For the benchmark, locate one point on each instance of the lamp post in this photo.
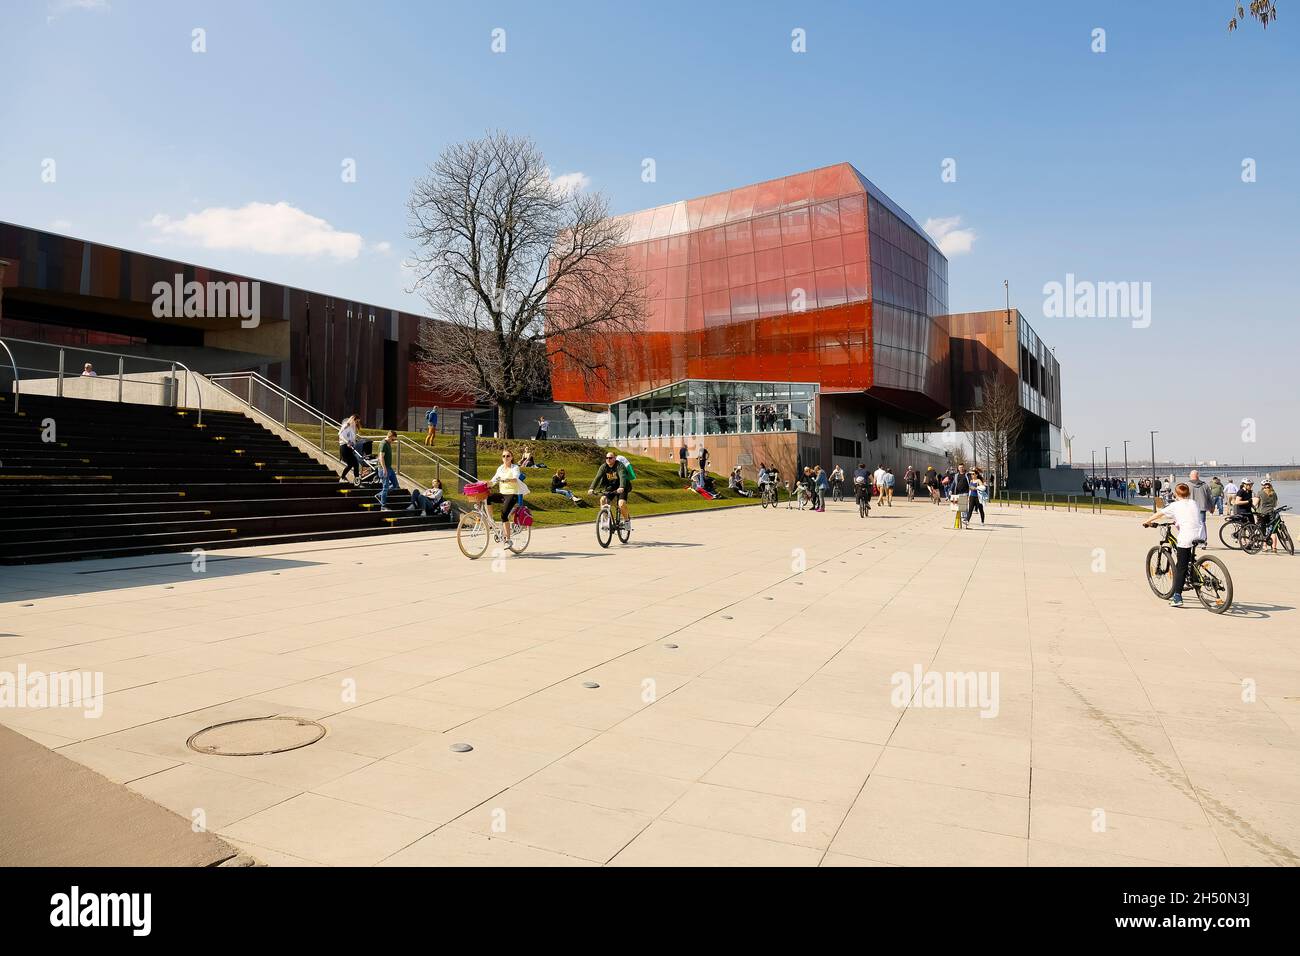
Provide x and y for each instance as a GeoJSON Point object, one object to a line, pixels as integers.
{"type": "Point", "coordinates": [1092, 474]}
{"type": "Point", "coordinates": [1106, 459]}
{"type": "Point", "coordinates": [1153, 471]}
{"type": "Point", "coordinates": [974, 450]}
{"type": "Point", "coordinates": [1125, 467]}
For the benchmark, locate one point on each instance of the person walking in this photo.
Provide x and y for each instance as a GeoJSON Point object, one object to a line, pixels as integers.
{"type": "Point", "coordinates": [959, 489]}
{"type": "Point", "coordinates": [386, 469]}
{"type": "Point", "coordinates": [1201, 496]}
{"type": "Point", "coordinates": [683, 455]}
{"type": "Point", "coordinates": [431, 425]}
{"type": "Point", "coordinates": [978, 492]}
{"type": "Point", "coordinates": [823, 487]}
{"type": "Point", "coordinates": [889, 486]}
{"type": "Point", "coordinates": [347, 450]}
{"type": "Point", "coordinates": [1216, 495]}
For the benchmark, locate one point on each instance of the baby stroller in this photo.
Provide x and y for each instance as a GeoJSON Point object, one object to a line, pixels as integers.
{"type": "Point", "coordinates": [368, 463]}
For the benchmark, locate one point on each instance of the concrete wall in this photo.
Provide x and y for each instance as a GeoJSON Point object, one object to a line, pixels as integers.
{"type": "Point", "coordinates": [567, 421]}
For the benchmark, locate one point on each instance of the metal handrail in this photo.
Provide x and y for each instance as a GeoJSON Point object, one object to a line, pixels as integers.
{"type": "Point", "coordinates": [220, 378]}
{"type": "Point", "coordinates": [121, 357]}
{"type": "Point", "coordinates": [14, 363]}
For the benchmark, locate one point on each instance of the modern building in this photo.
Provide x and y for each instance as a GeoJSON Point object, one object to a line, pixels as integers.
{"type": "Point", "coordinates": [805, 320]}
{"type": "Point", "coordinates": [339, 355]}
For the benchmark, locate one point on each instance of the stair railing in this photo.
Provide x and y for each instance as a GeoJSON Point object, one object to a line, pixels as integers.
{"type": "Point", "coordinates": [60, 373]}
{"type": "Point", "coordinates": [274, 401]}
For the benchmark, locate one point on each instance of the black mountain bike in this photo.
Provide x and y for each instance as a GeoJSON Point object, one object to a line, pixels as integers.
{"type": "Point", "coordinates": [1254, 538]}
{"type": "Point", "coordinates": [1206, 574]}
{"type": "Point", "coordinates": [864, 501]}
{"type": "Point", "coordinates": [1230, 530]}
{"type": "Point", "coordinates": [610, 521]}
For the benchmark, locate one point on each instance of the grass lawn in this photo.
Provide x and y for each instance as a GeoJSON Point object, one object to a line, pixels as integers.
{"type": "Point", "coordinates": [656, 490]}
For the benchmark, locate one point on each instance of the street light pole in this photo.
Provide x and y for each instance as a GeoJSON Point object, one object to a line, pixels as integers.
{"type": "Point", "coordinates": [974, 449]}
{"type": "Point", "coordinates": [1107, 461]}
{"type": "Point", "coordinates": [1125, 467]}
{"type": "Point", "coordinates": [1092, 474]}
{"type": "Point", "coordinates": [1153, 471]}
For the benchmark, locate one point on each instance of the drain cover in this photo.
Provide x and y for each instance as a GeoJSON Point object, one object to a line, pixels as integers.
{"type": "Point", "coordinates": [256, 736]}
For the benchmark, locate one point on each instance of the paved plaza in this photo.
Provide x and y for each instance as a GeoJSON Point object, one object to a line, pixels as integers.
{"type": "Point", "coordinates": [749, 666]}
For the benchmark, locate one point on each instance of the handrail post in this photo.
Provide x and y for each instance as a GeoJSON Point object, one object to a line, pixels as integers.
{"type": "Point", "coordinates": [121, 371]}
{"type": "Point", "coordinates": [173, 373]}
{"type": "Point", "coordinates": [59, 390]}
{"type": "Point", "coordinates": [322, 433]}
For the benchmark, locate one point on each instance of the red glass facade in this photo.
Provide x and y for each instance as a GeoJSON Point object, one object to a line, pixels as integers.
{"type": "Point", "coordinates": [813, 277]}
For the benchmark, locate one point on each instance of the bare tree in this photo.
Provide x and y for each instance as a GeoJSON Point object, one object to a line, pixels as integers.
{"type": "Point", "coordinates": [1265, 11]}
{"type": "Point", "coordinates": [519, 269]}
{"type": "Point", "coordinates": [998, 423]}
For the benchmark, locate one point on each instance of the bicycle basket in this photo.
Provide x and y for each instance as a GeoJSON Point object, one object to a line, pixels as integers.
{"type": "Point", "coordinates": [478, 491]}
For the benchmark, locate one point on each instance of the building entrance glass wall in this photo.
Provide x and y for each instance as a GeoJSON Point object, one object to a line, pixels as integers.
{"type": "Point", "coordinates": [716, 408]}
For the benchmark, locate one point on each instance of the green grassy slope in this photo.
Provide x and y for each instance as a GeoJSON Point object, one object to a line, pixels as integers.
{"type": "Point", "coordinates": [657, 488]}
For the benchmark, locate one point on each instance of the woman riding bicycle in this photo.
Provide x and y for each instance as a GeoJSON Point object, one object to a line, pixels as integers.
{"type": "Point", "coordinates": [509, 485]}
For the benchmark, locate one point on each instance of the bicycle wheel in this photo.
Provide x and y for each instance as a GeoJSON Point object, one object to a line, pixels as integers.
{"type": "Point", "coordinates": [625, 529]}
{"type": "Point", "coordinates": [764, 500]}
{"type": "Point", "coordinates": [1252, 538]}
{"type": "Point", "coordinates": [1228, 532]}
{"type": "Point", "coordinates": [1213, 584]}
{"type": "Point", "coordinates": [1160, 571]}
{"type": "Point", "coordinates": [520, 535]}
{"type": "Point", "coordinates": [1284, 538]}
{"type": "Point", "coordinates": [472, 534]}
{"type": "Point", "coordinates": [604, 529]}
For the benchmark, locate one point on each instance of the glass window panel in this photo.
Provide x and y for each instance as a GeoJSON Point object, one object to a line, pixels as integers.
{"type": "Point", "coordinates": [797, 258]}
{"type": "Point", "coordinates": [742, 203]}
{"type": "Point", "coordinates": [715, 209]}
{"type": "Point", "coordinates": [744, 302]}
{"type": "Point", "coordinates": [827, 253]}
{"type": "Point", "coordinates": [796, 226]}
{"type": "Point", "coordinates": [739, 238]}
{"type": "Point", "coordinates": [767, 232]}
{"type": "Point", "coordinates": [768, 264]}
{"type": "Point", "coordinates": [740, 271]}
{"type": "Point", "coordinates": [713, 244]}
{"type": "Point", "coordinates": [826, 220]}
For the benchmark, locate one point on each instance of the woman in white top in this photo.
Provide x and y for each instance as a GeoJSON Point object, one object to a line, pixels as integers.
{"type": "Point", "coordinates": [507, 481]}
{"type": "Point", "coordinates": [347, 454]}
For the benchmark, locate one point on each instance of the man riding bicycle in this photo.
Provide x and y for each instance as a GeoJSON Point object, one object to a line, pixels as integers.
{"type": "Point", "coordinates": [613, 480]}
{"type": "Point", "coordinates": [862, 484]}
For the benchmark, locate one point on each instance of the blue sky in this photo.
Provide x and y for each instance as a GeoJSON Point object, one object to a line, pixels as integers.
{"type": "Point", "coordinates": [1115, 167]}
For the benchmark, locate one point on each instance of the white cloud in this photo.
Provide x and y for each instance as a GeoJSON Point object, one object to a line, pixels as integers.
{"type": "Point", "coordinates": [276, 229]}
{"type": "Point", "coordinates": [61, 226]}
{"type": "Point", "coordinates": [951, 240]}
{"type": "Point", "coordinates": [383, 248]}
{"type": "Point", "coordinates": [570, 183]}
{"type": "Point", "coordinates": [58, 7]}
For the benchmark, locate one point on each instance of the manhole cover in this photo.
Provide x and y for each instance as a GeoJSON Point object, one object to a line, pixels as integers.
{"type": "Point", "coordinates": [256, 736]}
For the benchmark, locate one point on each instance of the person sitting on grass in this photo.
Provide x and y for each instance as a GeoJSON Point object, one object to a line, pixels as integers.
{"type": "Point", "coordinates": [526, 459]}
{"type": "Point", "coordinates": [737, 483]}
{"type": "Point", "coordinates": [560, 486]}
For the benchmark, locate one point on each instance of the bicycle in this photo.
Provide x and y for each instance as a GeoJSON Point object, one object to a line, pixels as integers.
{"type": "Point", "coordinates": [1206, 575]}
{"type": "Point", "coordinates": [768, 495]}
{"type": "Point", "coordinates": [864, 500]}
{"type": "Point", "coordinates": [1231, 528]}
{"type": "Point", "coordinates": [477, 529]}
{"type": "Point", "coordinates": [837, 491]}
{"type": "Point", "coordinates": [1255, 537]}
{"type": "Point", "coordinates": [610, 521]}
